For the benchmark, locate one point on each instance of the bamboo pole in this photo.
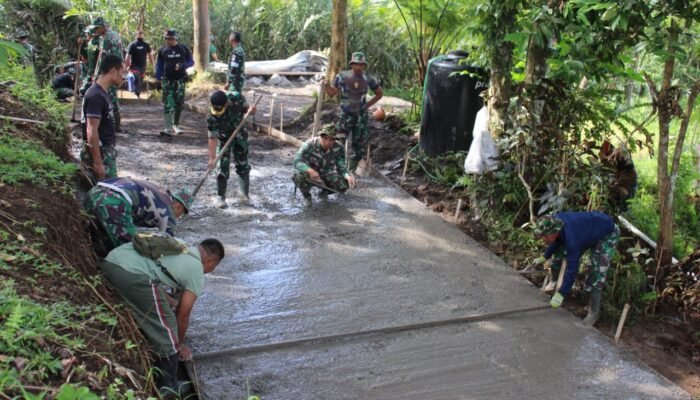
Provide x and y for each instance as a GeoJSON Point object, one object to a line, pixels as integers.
{"type": "Point", "coordinates": [459, 209]}
{"type": "Point", "coordinates": [281, 116]}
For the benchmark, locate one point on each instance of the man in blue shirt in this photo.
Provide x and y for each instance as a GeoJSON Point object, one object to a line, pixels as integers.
{"type": "Point", "coordinates": [570, 234]}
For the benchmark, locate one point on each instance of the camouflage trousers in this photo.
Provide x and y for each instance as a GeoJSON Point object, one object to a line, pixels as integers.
{"type": "Point", "coordinates": [109, 160]}
{"type": "Point", "coordinates": [600, 258]}
{"type": "Point", "coordinates": [87, 82]}
{"type": "Point", "coordinates": [238, 150]}
{"type": "Point", "coordinates": [236, 82]}
{"type": "Point", "coordinates": [173, 95]}
{"type": "Point", "coordinates": [355, 126]}
{"type": "Point", "coordinates": [115, 98]}
{"type": "Point", "coordinates": [331, 179]}
{"type": "Point", "coordinates": [64, 93]}
{"type": "Point", "coordinates": [113, 213]}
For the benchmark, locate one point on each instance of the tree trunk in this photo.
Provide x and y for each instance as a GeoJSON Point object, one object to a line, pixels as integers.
{"type": "Point", "coordinates": [501, 83]}
{"type": "Point", "coordinates": [200, 15]}
{"type": "Point", "coordinates": [665, 181]}
{"type": "Point", "coordinates": [339, 40]}
{"type": "Point", "coordinates": [536, 64]}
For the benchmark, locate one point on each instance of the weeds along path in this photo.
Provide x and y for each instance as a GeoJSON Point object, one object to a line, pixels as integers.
{"type": "Point", "coordinates": [374, 258]}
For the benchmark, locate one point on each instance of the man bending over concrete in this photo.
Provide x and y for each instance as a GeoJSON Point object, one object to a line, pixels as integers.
{"type": "Point", "coordinates": [139, 281]}
{"type": "Point", "coordinates": [570, 234]}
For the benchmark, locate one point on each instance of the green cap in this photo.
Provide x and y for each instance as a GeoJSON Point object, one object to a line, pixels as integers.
{"type": "Point", "coordinates": [358, 57]}
{"type": "Point", "coordinates": [99, 22]}
{"type": "Point", "coordinates": [185, 197]}
{"type": "Point", "coordinates": [328, 130]}
{"type": "Point", "coordinates": [548, 225]}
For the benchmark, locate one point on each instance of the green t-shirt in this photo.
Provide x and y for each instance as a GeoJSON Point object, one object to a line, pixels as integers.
{"type": "Point", "coordinates": [212, 50]}
{"type": "Point", "coordinates": [187, 268]}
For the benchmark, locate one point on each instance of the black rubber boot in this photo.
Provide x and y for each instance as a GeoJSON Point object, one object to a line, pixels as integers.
{"type": "Point", "coordinates": [221, 182]}
{"type": "Point", "coordinates": [176, 119]}
{"type": "Point", "coordinates": [243, 187]}
{"type": "Point", "coordinates": [594, 302]}
{"type": "Point", "coordinates": [165, 376]}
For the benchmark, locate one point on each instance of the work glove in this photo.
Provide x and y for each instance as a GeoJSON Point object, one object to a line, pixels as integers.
{"type": "Point", "coordinates": [556, 301]}
{"type": "Point", "coordinates": [539, 260]}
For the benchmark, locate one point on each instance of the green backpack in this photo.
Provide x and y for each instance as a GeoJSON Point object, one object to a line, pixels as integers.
{"type": "Point", "coordinates": [155, 246]}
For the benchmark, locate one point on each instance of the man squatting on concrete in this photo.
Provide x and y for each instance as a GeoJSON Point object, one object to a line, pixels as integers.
{"type": "Point", "coordinates": [98, 155]}
{"type": "Point", "coordinates": [353, 86]}
{"type": "Point", "coordinates": [139, 281]}
{"type": "Point", "coordinates": [322, 160]}
{"type": "Point", "coordinates": [227, 111]}
{"type": "Point", "coordinates": [570, 234]}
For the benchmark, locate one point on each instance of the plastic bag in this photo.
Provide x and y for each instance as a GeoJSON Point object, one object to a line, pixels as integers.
{"type": "Point", "coordinates": [483, 154]}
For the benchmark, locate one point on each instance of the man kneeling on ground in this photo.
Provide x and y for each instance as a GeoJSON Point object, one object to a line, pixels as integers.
{"type": "Point", "coordinates": [570, 234]}
{"type": "Point", "coordinates": [139, 281]}
{"type": "Point", "coordinates": [321, 161]}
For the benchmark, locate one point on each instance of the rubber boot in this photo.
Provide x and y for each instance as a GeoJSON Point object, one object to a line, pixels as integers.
{"type": "Point", "coordinates": [168, 130]}
{"type": "Point", "coordinates": [243, 187]}
{"type": "Point", "coordinates": [552, 285]}
{"type": "Point", "coordinates": [594, 303]}
{"type": "Point", "coordinates": [117, 122]}
{"type": "Point", "coordinates": [221, 183]}
{"type": "Point", "coordinates": [165, 376]}
{"type": "Point", "coordinates": [176, 123]}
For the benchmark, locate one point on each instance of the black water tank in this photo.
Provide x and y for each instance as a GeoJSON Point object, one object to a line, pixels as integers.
{"type": "Point", "coordinates": [450, 103]}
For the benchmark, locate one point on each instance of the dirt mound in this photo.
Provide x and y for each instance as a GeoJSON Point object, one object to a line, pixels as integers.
{"type": "Point", "coordinates": [48, 263]}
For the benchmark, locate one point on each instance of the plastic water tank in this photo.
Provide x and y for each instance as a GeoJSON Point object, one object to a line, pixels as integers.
{"type": "Point", "coordinates": [450, 103]}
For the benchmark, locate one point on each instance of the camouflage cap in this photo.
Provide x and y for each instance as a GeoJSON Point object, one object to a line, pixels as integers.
{"type": "Point", "coordinates": [185, 197]}
{"type": "Point", "coordinates": [99, 22]}
{"type": "Point", "coordinates": [328, 130]}
{"type": "Point", "coordinates": [21, 33]}
{"type": "Point", "coordinates": [358, 57]}
{"type": "Point", "coordinates": [548, 225]}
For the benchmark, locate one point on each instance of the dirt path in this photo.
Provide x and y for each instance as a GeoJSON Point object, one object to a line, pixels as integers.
{"type": "Point", "coordinates": [374, 258]}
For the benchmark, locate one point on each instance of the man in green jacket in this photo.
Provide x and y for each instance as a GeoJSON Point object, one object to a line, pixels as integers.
{"type": "Point", "coordinates": [139, 281]}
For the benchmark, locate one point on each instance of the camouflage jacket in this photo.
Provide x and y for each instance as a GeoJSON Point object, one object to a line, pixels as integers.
{"type": "Point", "coordinates": [236, 69]}
{"type": "Point", "coordinates": [151, 206]}
{"type": "Point", "coordinates": [112, 44]}
{"type": "Point", "coordinates": [311, 155]}
{"type": "Point", "coordinates": [223, 126]}
{"type": "Point", "coordinates": [353, 90]}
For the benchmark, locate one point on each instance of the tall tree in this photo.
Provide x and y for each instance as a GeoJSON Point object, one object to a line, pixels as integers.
{"type": "Point", "coordinates": [339, 39]}
{"type": "Point", "coordinates": [200, 14]}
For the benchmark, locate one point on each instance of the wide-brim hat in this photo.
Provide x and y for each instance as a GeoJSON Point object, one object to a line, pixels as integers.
{"type": "Point", "coordinates": [358, 57]}
{"type": "Point", "coordinates": [185, 197]}
{"type": "Point", "coordinates": [170, 34]}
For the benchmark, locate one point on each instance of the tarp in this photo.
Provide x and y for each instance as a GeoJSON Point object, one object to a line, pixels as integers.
{"type": "Point", "coordinates": [303, 61]}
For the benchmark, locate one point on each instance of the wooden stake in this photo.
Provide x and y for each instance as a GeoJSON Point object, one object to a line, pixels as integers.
{"type": "Point", "coordinates": [458, 210]}
{"type": "Point", "coordinates": [272, 108]}
{"type": "Point", "coordinates": [621, 324]}
{"type": "Point", "coordinates": [281, 116]}
{"type": "Point", "coordinates": [405, 167]}
{"type": "Point", "coordinates": [560, 279]}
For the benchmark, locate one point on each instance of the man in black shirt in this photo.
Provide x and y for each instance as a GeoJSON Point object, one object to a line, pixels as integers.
{"type": "Point", "coordinates": [63, 84]}
{"type": "Point", "coordinates": [173, 61]}
{"type": "Point", "coordinates": [137, 54]}
{"type": "Point", "coordinates": [98, 156]}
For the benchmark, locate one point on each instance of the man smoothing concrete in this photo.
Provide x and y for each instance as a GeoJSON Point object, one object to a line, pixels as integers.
{"type": "Point", "coordinates": [322, 160]}
{"type": "Point", "coordinates": [139, 281]}
{"type": "Point", "coordinates": [171, 65]}
{"type": "Point", "coordinates": [570, 234]}
{"type": "Point", "coordinates": [353, 86]}
{"type": "Point", "coordinates": [121, 205]}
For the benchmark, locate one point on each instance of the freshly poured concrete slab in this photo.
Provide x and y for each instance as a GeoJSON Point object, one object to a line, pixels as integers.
{"type": "Point", "coordinates": [371, 259]}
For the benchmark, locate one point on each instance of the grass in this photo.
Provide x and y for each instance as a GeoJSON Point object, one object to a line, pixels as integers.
{"type": "Point", "coordinates": [26, 161]}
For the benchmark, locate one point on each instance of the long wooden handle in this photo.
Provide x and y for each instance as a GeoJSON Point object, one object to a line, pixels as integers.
{"type": "Point", "coordinates": [226, 146]}
{"type": "Point", "coordinates": [75, 84]}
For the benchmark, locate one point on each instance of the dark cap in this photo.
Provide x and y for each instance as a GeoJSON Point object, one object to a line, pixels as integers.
{"type": "Point", "coordinates": [99, 22]}
{"type": "Point", "coordinates": [170, 33]}
{"type": "Point", "coordinates": [218, 98]}
{"type": "Point", "coordinates": [235, 35]}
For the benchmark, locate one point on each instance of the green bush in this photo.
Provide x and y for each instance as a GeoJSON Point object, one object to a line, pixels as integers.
{"type": "Point", "coordinates": [26, 161]}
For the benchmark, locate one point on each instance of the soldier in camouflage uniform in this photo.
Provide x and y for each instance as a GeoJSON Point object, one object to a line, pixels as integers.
{"type": "Point", "coordinates": [236, 64]}
{"type": "Point", "coordinates": [22, 37]}
{"type": "Point", "coordinates": [569, 235]}
{"type": "Point", "coordinates": [120, 205]}
{"type": "Point", "coordinates": [227, 111]}
{"type": "Point", "coordinates": [110, 44]}
{"type": "Point", "coordinates": [353, 86]}
{"type": "Point", "coordinates": [171, 69]}
{"type": "Point", "coordinates": [91, 47]}
{"type": "Point", "coordinates": [322, 159]}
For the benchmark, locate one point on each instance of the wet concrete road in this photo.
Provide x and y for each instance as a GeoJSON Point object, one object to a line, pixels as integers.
{"type": "Point", "coordinates": [374, 258]}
